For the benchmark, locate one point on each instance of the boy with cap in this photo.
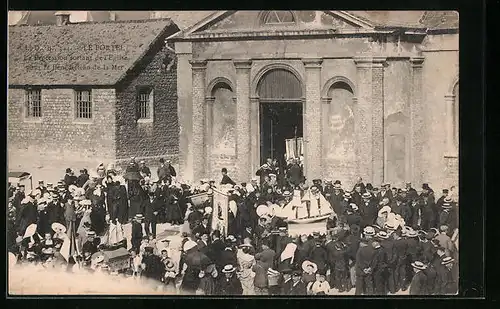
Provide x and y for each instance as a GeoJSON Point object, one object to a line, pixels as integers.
{"type": "Point", "coordinates": [137, 234]}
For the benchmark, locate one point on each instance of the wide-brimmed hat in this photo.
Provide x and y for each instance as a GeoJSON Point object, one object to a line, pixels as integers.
{"type": "Point", "coordinates": [347, 194]}
{"type": "Point", "coordinates": [85, 202]}
{"type": "Point", "coordinates": [306, 264]}
{"type": "Point", "coordinates": [228, 268]}
{"type": "Point", "coordinates": [419, 265]}
{"type": "Point", "coordinates": [286, 193]}
{"type": "Point", "coordinates": [58, 227]}
{"type": "Point", "coordinates": [139, 216]}
{"type": "Point", "coordinates": [369, 231]}
{"type": "Point", "coordinates": [447, 260]}
{"type": "Point", "coordinates": [262, 210]}
{"type": "Point", "coordinates": [231, 238]}
{"type": "Point", "coordinates": [245, 246]}
{"type": "Point", "coordinates": [337, 186]}
{"type": "Point", "coordinates": [90, 233]}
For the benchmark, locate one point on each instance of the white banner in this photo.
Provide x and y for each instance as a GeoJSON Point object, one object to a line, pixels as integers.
{"type": "Point", "coordinates": [220, 211]}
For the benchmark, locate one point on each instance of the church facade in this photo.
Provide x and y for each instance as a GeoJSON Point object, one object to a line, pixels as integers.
{"type": "Point", "coordinates": [368, 97]}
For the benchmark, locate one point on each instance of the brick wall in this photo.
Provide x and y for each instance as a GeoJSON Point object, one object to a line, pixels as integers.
{"type": "Point", "coordinates": [159, 137]}
{"type": "Point", "coordinates": [57, 137]}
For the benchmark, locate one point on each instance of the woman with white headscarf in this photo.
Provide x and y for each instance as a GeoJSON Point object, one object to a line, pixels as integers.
{"type": "Point", "coordinates": [287, 257]}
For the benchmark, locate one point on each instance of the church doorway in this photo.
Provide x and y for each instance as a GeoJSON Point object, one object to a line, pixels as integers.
{"type": "Point", "coordinates": [280, 115]}
{"type": "Point", "coordinates": [280, 124]}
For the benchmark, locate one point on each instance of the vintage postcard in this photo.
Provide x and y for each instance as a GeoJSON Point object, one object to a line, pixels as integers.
{"type": "Point", "coordinates": [255, 153]}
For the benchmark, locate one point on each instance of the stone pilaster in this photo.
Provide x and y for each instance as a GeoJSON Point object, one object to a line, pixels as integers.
{"type": "Point", "coordinates": [417, 133]}
{"type": "Point", "coordinates": [209, 124]}
{"type": "Point", "coordinates": [363, 124]}
{"type": "Point", "coordinates": [243, 110]}
{"type": "Point", "coordinates": [183, 52]}
{"type": "Point", "coordinates": [199, 113]}
{"type": "Point", "coordinates": [312, 136]}
{"type": "Point", "coordinates": [378, 119]}
{"type": "Point", "coordinates": [325, 111]}
{"type": "Point", "coordinates": [450, 145]}
{"type": "Point", "coordinates": [254, 134]}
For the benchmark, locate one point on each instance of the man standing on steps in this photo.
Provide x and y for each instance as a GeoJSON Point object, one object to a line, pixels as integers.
{"type": "Point", "coordinates": [166, 171]}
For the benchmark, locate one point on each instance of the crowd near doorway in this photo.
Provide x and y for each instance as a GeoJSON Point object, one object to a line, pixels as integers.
{"type": "Point", "coordinates": [280, 114]}
{"type": "Point", "coordinates": [279, 122]}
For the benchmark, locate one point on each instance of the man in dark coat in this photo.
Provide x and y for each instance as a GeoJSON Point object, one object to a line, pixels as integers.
{"type": "Point", "coordinates": [379, 267]}
{"type": "Point", "coordinates": [369, 210]}
{"type": "Point", "coordinates": [165, 171]}
{"type": "Point", "coordinates": [336, 199]}
{"type": "Point", "coordinates": [18, 197]}
{"type": "Point", "coordinates": [385, 192]}
{"type": "Point", "coordinates": [154, 267]}
{"type": "Point", "coordinates": [319, 256]}
{"type": "Point", "coordinates": [449, 277]}
{"type": "Point", "coordinates": [215, 249]}
{"type": "Point", "coordinates": [428, 208]}
{"type": "Point", "coordinates": [82, 178]}
{"type": "Point", "coordinates": [298, 287]}
{"type": "Point", "coordinates": [438, 266]}
{"type": "Point", "coordinates": [361, 185]}
{"type": "Point", "coordinates": [357, 195]}
{"type": "Point", "coordinates": [339, 274]}
{"type": "Point", "coordinates": [418, 284]}
{"type": "Point", "coordinates": [28, 215]}
{"type": "Point", "coordinates": [364, 271]}
{"type": "Point", "coordinates": [144, 171]}
{"type": "Point", "coordinates": [42, 187]}
{"type": "Point", "coordinates": [225, 178]}
{"type": "Point", "coordinates": [228, 283]}
{"type": "Point", "coordinates": [400, 250]}
{"type": "Point", "coordinates": [69, 178]}
{"type": "Point", "coordinates": [392, 260]}
{"type": "Point", "coordinates": [122, 204]}
{"type": "Point", "coordinates": [411, 192]}
{"type": "Point", "coordinates": [137, 232]}
{"type": "Point", "coordinates": [294, 173]}
{"type": "Point", "coordinates": [440, 201]}
{"type": "Point", "coordinates": [152, 206]}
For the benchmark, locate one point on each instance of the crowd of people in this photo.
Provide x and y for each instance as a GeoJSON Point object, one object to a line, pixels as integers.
{"type": "Point", "coordinates": [378, 241]}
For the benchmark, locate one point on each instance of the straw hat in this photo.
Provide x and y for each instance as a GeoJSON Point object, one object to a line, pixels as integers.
{"type": "Point", "coordinates": [447, 260]}
{"type": "Point", "coordinates": [419, 265]}
{"type": "Point", "coordinates": [369, 231]}
{"type": "Point", "coordinates": [306, 264]}
{"type": "Point", "coordinates": [208, 210]}
{"type": "Point", "coordinates": [228, 269]}
{"type": "Point", "coordinates": [382, 235]}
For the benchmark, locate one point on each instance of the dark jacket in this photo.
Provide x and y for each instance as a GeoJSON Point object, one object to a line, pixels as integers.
{"type": "Point", "coordinates": [229, 286]}
{"type": "Point", "coordinates": [150, 207]}
{"type": "Point", "coordinates": [364, 258]}
{"type": "Point", "coordinates": [227, 180]}
{"type": "Point", "coordinates": [418, 284]}
{"type": "Point", "coordinates": [298, 289]}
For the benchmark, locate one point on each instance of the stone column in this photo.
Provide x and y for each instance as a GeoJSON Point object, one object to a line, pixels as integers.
{"type": "Point", "coordinates": [243, 155]}
{"type": "Point", "coordinates": [417, 133]}
{"type": "Point", "coordinates": [183, 51]}
{"type": "Point", "coordinates": [199, 113]}
{"type": "Point", "coordinates": [325, 113]}
{"type": "Point", "coordinates": [363, 123]}
{"type": "Point", "coordinates": [378, 119]}
{"type": "Point", "coordinates": [312, 136]}
{"type": "Point", "coordinates": [449, 102]}
{"type": "Point", "coordinates": [209, 123]}
{"type": "Point", "coordinates": [254, 135]}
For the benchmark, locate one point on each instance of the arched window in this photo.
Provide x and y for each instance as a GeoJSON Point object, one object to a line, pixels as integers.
{"type": "Point", "coordinates": [338, 132]}
{"type": "Point", "coordinates": [278, 17]}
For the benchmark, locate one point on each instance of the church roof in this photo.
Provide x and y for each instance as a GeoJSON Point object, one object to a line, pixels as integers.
{"type": "Point", "coordinates": [35, 50]}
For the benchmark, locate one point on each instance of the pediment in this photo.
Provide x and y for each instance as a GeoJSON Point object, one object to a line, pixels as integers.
{"type": "Point", "coordinates": [248, 22]}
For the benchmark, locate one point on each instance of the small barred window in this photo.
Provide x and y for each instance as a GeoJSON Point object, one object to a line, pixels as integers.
{"type": "Point", "coordinates": [144, 103]}
{"type": "Point", "coordinates": [83, 104]}
{"type": "Point", "coordinates": [33, 103]}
